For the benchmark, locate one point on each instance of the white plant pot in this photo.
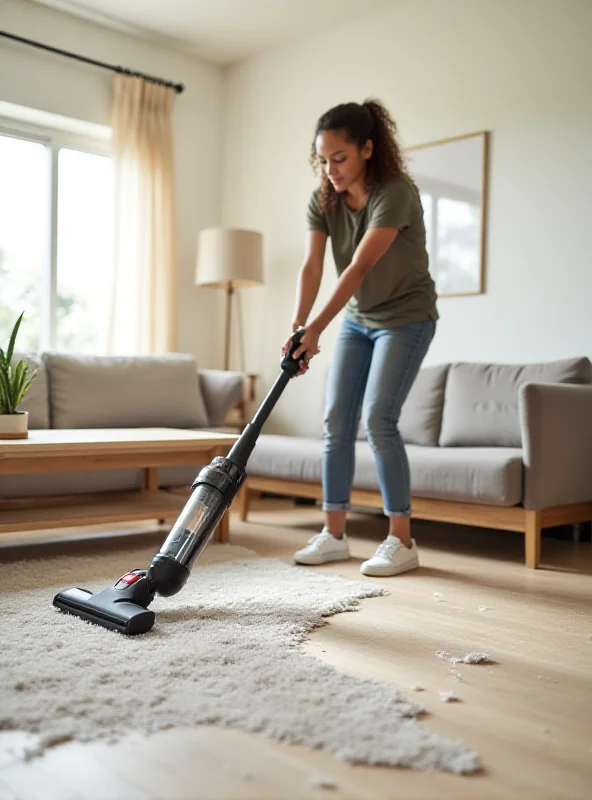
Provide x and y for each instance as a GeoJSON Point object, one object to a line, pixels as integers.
{"type": "Point", "coordinates": [14, 426]}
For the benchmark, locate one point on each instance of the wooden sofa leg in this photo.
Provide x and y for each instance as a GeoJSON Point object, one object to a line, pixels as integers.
{"type": "Point", "coordinates": [244, 503]}
{"type": "Point", "coordinates": [532, 536]}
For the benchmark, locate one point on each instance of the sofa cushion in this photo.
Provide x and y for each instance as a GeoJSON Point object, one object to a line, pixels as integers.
{"type": "Point", "coordinates": [50, 484]}
{"type": "Point", "coordinates": [124, 391]}
{"type": "Point", "coordinates": [222, 390]}
{"type": "Point", "coordinates": [421, 415]}
{"type": "Point", "coordinates": [481, 400]}
{"type": "Point", "coordinates": [36, 401]}
{"type": "Point", "coordinates": [294, 458]}
{"type": "Point", "coordinates": [487, 475]}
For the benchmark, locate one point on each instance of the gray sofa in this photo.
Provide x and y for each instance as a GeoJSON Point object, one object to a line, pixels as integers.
{"type": "Point", "coordinates": [74, 391]}
{"type": "Point", "coordinates": [497, 446]}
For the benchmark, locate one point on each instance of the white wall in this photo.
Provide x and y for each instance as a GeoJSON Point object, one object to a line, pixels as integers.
{"type": "Point", "coordinates": [31, 77]}
{"type": "Point", "coordinates": [518, 68]}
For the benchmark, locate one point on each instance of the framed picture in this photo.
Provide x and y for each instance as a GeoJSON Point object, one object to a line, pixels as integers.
{"type": "Point", "coordinates": [451, 175]}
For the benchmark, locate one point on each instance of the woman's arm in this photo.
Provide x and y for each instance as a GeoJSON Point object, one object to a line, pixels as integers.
{"type": "Point", "coordinates": [374, 244]}
{"type": "Point", "coordinates": [309, 277]}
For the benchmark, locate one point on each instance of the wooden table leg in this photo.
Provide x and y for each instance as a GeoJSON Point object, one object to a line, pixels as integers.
{"type": "Point", "coordinates": [244, 502]}
{"type": "Point", "coordinates": [222, 534]}
{"type": "Point", "coordinates": [150, 481]}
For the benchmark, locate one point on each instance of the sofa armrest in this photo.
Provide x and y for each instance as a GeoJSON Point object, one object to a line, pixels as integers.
{"type": "Point", "coordinates": [222, 390]}
{"type": "Point", "coordinates": [556, 427]}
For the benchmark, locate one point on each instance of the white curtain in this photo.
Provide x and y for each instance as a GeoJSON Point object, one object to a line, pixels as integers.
{"type": "Point", "coordinates": [143, 308]}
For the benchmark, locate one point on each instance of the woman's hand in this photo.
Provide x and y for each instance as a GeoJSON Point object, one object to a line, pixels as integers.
{"type": "Point", "coordinates": [309, 347]}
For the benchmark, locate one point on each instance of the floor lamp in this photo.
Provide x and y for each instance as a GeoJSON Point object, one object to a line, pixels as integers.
{"type": "Point", "coordinates": [232, 258]}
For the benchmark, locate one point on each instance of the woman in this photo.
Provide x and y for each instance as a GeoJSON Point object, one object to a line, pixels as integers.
{"type": "Point", "coordinates": [372, 211]}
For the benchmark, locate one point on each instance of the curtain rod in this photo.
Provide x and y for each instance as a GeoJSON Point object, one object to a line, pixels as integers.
{"type": "Point", "coordinates": [178, 87]}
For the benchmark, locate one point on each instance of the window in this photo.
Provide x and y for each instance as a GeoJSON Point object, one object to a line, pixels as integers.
{"type": "Point", "coordinates": [84, 249]}
{"type": "Point", "coordinates": [56, 238]}
{"type": "Point", "coordinates": [25, 180]}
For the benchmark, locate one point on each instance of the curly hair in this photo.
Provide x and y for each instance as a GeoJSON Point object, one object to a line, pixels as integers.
{"type": "Point", "coordinates": [370, 120]}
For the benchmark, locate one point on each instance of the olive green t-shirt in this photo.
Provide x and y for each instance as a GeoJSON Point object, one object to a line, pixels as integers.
{"type": "Point", "coordinates": [399, 288]}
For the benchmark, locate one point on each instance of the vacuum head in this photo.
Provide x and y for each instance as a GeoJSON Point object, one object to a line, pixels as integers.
{"type": "Point", "coordinates": [121, 608]}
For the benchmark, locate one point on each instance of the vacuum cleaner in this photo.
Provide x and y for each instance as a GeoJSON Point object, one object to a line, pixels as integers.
{"type": "Point", "coordinates": [123, 607]}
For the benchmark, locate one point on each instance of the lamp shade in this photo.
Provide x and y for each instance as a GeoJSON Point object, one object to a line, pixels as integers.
{"type": "Point", "coordinates": [229, 255]}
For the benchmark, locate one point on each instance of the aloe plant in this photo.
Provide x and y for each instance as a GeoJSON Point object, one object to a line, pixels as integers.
{"type": "Point", "coordinates": [14, 381]}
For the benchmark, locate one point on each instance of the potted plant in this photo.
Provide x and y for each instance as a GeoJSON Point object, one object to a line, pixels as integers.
{"type": "Point", "coordinates": [15, 382]}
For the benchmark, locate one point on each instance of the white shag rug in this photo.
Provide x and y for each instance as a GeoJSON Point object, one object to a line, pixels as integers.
{"type": "Point", "coordinates": [225, 651]}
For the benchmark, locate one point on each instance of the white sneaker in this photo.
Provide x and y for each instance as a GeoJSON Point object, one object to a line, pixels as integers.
{"type": "Point", "coordinates": [323, 547]}
{"type": "Point", "coordinates": [391, 558]}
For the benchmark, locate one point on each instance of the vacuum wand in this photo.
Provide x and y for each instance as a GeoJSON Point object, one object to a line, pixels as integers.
{"type": "Point", "coordinates": [124, 606]}
{"type": "Point", "coordinates": [243, 448]}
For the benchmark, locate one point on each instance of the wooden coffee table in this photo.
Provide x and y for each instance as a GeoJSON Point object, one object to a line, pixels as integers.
{"type": "Point", "coordinates": [114, 448]}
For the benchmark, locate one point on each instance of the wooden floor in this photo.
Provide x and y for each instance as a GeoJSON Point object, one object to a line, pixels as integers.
{"type": "Point", "coordinates": [529, 715]}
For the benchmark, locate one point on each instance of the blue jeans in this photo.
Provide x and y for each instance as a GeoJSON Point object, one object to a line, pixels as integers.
{"type": "Point", "coordinates": [372, 369]}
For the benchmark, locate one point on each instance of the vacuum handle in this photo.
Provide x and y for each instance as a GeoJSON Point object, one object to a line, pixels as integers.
{"type": "Point", "coordinates": [289, 363]}
{"type": "Point", "coordinates": [290, 367]}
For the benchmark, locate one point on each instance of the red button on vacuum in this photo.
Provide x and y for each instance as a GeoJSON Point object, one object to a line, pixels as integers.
{"type": "Point", "coordinates": [131, 577]}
